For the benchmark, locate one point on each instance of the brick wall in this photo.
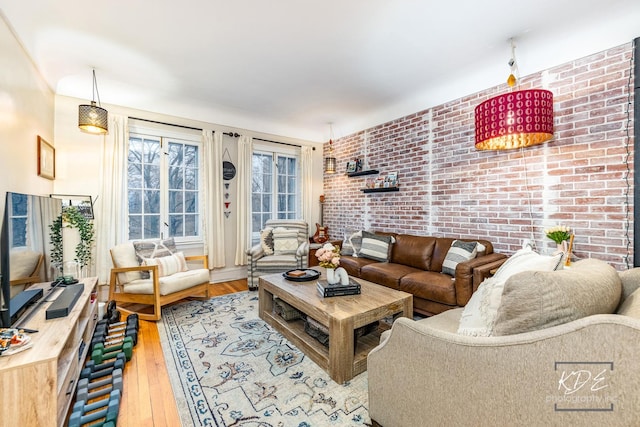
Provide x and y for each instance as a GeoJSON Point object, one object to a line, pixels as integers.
{"type": "Point", "coordinates": [447, 188]}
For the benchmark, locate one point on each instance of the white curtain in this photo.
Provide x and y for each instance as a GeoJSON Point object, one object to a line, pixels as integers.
{"type": "Point", "coordinates": [212, 211]}
{"type": "Point", "coordinates": [110, 209]}
{"type": "Point", "coordinates": [243, 231]}
{"type": "Point", "coordinates": [306, 162]}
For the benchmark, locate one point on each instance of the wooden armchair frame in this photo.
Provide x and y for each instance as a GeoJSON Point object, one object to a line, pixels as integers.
{"type": "Point", "coordinates": [120, 296]}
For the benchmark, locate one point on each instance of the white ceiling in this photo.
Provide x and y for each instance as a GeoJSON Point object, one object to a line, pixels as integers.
{"type": "Point", "coordinates": [289, 67]}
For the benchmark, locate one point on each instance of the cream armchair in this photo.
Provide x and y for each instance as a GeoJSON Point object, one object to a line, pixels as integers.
{"type": "Point", "coordinates": [581, 373]}
{"type": "Point", "coordinates": [285, 256]}
{"type": "Point", "coordinates": [134, 294]}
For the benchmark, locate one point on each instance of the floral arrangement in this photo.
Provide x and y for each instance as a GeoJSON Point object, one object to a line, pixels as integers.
{"type": "Point", "coordinates": [328, 256]}
{"type": "Point", "coordinates": [558, 234]}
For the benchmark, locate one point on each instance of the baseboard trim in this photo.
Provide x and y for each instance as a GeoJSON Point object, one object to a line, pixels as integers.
{"type": "Point", "coordinates": [228, 274]}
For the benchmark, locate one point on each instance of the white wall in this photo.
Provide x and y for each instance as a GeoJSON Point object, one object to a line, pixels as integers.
{"type": "Point", "coordinates": [26, 111]}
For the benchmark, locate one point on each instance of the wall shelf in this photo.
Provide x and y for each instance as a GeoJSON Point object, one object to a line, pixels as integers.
{"type": "Point", "coordinates": [362, 173]}
{"type": "Point", "coordinates": [380, 190]}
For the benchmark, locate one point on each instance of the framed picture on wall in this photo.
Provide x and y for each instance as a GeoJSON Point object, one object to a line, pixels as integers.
{"type": "Point", "coordinates": [46, 159]}
{"type": "Point", "coordinates": [351, 166]}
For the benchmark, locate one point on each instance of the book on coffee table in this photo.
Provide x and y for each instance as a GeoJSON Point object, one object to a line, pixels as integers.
{"type": "Point", "coordinates": [325, 289]}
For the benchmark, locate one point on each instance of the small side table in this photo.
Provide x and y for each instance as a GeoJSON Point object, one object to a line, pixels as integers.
{"type": "Point", "coordinates": [313, 247]}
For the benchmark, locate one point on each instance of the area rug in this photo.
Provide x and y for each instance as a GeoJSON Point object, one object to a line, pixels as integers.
{"type": "Point", "coordinates": [229, 368]}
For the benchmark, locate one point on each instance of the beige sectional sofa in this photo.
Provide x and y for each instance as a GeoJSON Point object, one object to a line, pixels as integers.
{"type": "Point", "coordinates": [559, 372]}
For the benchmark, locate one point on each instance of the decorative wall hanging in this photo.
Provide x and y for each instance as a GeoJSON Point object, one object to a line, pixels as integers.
{"type": "Point", "coordinates": [228, 168]}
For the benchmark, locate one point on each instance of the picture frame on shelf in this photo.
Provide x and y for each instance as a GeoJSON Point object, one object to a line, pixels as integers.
{"type": "Point", "coordinates": [84, 204]}
{"type": "Point", "coordinates": [391, 179]}
{"type": "Point", "coordinates": [351, 166]}
{"type": "Point", "coordinates": [46, 159]}
{"type": "Point", "coordinates": [359, 163]}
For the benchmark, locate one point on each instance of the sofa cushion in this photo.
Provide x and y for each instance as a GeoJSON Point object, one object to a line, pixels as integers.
{"type": "Point", "coordinates": [354, 265]}
{"type": "Point", "coordinates": [266, 240]}
{"type": "Point", "coordinates": [124, 255]}
{"type": "Point", "coordinates": [375, 246]}
{"type": "Point", "coordinates": [535, 300]}
{"type": "Point", "coordinates": [414, 251]}
{"type": "Point", "coordinates": [169, 284]}
{"type": "Point", "coordinates": [478, 317]}
{"type": "Point", "coordinates": [458, 252]}
{"type": "Point", "coordinates": [168, 265]}
{"type": "Point", "coordinates": [23, 263]}
{"type": "Point", "coordinates": [285, 241]}
{"type": "Point", "coordinates": [386, 273]}
{"type": "Point", "coordinates": [430, 285]}
{"type": "Point", "coordinates": [152, 249]}
{"type": "Point", "coordinates": [631, 305]}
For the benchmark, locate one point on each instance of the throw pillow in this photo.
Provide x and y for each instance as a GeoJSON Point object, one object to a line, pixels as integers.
{"type": "Point", "coordinates": [352, 243]}
{"type": "Point", "coordinates": [168, 265]}
{"type": "Point", "coordinates": [535, 300]}
{"type": "Point", "coordinates": [631, 305]}
{"type": "Point", "coordinates": [285, 241]}
{"type": "Point", "coordinates": [266, 240]}
{"type": "Point", "coordinates": [458, 252]}
{"type": "Point", "coordinates": [153, 249]}
{"type": "Point", "coordinates": [479, 315]}
{"type": "Point", "coordinates": [375, 246]}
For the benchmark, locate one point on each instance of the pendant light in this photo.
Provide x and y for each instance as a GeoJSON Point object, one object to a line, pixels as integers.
{"type": "Point", "coordinates": [330, 161]}
{"type": "Point", "coordinates": [93, 118]}
{"type": "Point", "coordinates": [520, 118]}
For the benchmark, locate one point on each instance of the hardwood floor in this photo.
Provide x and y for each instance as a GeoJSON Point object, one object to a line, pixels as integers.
{"type": "Point", "coordinates": [148, 398]}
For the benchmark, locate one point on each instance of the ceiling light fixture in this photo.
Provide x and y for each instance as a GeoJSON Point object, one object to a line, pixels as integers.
{"type": "Point", "coordinates": [516, 119]}
{"type": "Point", "coordinates": [330, 161]}
{"type": "Point", "coordinates": [93, 118]}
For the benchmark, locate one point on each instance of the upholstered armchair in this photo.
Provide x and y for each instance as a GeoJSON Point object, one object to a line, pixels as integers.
{"type": "Point", "coordinates": [284, 245]}
{"type": "Point", "coordinates": [137, 286]}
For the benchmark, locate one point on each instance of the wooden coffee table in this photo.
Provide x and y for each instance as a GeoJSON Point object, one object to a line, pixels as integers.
{"type": "Point", "coordinates": [345, 357]}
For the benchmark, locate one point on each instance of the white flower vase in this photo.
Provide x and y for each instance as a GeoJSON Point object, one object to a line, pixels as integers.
{"type": "Point", "coordinates": [332, 277]}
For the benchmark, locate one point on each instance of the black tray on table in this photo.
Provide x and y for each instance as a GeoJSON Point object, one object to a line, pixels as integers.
{"type": "Point", "coordinates": [310, 274]}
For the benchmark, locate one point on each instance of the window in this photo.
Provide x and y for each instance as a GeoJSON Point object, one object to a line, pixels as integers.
{"type": "Point", "coordinates": [275, 187]}
{"type": "Point", "coordinates": [18, 214]}
{"type": "Point", "coordinates": [163, 183]}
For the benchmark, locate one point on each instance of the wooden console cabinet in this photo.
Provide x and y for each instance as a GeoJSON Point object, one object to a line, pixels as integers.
{"type": "Point", "coordinates": [38, 384]}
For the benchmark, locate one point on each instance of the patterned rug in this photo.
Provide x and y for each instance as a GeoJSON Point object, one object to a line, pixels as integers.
{"type": "Point", "coordinates": [229, 368]}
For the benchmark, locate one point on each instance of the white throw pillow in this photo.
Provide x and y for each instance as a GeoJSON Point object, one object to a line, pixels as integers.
{"type": "Point", "coordinates": [168, 265]}
{"type": "Point", "coordinates": [479, 315]}
{"type": "Point", "coordinates": [285, 241]}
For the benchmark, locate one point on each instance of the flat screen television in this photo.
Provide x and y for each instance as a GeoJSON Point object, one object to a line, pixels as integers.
{"type": "Point", "coordinates": [25, 252]}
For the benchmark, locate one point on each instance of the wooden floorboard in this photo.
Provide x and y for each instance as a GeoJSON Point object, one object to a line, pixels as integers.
{"type": "Point", "coordinates": [148, 397]}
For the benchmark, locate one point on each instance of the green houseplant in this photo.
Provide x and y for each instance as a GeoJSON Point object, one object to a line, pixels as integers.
{"type": "Point", "coordinates": [72, 218]}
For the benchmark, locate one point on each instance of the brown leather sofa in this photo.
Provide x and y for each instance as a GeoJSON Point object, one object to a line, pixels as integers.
{"type": "Point", "coordinates": [415, 266]}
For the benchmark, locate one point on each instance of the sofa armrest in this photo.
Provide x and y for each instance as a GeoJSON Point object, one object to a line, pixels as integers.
{"type": "Point", "coordinates": [481, 272]}
{"type": "Point", "coordinates": [255, 251]}
{"type": "Point", "coordinates": [202, 258]}
{"type": "Point", "coordinates": [464, 278]}
{"type": "Point", "coordinates": [417, 360]}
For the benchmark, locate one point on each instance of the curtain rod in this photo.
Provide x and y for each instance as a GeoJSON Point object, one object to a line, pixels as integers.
{"type": "Point", "coordinates": [231, 134]}
{"type": "Point", "coordinates": [165, 123]}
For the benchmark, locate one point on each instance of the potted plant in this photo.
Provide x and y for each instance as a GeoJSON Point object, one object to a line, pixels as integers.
{"type": "Point", "coordinates": [71, 217]}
